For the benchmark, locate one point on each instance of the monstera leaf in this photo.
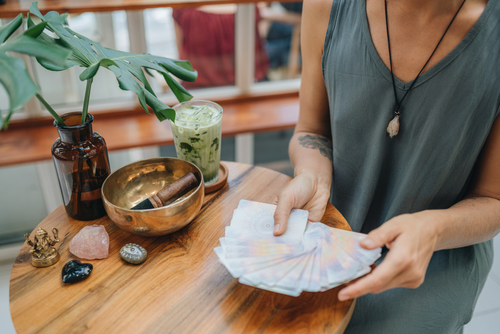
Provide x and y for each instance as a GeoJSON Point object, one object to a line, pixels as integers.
{"type": "Point", "coordinates": [13, 75]}
{"type": "Point", "coordinates": [128, 67]}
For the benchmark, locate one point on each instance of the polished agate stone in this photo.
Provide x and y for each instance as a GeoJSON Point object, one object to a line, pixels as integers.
{"type": "Point", "coordinates": [92, 242]}
{"type": "Point", "coordinates": [75, 271]}
{"type": "Point", "coordinates": [133, 253]}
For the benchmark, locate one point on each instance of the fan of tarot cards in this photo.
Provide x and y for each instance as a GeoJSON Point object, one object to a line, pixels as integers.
{"type": "Point", "coordinates": [307, 257]}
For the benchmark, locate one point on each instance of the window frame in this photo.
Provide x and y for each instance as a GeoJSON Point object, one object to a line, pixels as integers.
{"type": "Point", "coordinates": [244, 88]}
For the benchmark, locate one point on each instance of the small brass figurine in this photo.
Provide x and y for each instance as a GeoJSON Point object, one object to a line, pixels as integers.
{"type": "Point", "coordinates": [43, 254]}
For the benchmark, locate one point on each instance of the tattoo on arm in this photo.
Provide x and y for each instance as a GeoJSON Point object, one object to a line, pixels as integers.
{"type": "Point", "coordinates": [317, 142]}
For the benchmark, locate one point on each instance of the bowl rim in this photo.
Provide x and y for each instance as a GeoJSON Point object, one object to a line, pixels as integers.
{"type": "Point", "coordinates": [107, 201]}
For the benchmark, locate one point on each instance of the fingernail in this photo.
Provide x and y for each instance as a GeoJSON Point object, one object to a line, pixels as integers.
{"type": "Point", "coordinates": [368, 243]}
{"type": "Point", "coordinates": [276, 228]}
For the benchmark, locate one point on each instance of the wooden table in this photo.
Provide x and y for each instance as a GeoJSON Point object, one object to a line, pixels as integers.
{"type": "Point", "coordinates": [181, 288]}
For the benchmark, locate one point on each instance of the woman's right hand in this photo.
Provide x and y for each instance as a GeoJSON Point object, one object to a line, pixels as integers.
{"type": "Point", "coordinates": [306, 191]}
{"type": "Point", "coordinates": [311, 147]}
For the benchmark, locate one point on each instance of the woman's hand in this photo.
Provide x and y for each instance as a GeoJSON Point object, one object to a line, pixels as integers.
{"type": "Point", "coordinates": [311, 146]}
{"type": "Point", "coordinates": [306, 191]}
{"type": "Point", "coordinates": [411, 240]}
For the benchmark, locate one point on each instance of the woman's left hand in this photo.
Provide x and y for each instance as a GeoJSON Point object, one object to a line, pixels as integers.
{"type": "Point", "coordinates": [411, 240]}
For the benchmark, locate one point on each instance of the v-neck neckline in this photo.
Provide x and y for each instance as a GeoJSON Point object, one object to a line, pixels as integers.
{"type": "Point", "coordinates": [386, 72]}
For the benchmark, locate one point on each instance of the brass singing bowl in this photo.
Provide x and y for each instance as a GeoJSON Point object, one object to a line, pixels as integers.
{"type": "Point", "coordinates": [131, 184]}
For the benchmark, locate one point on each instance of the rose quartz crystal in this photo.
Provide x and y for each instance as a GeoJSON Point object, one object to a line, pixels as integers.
{"type": "Point", "coordinates": [92, 242]}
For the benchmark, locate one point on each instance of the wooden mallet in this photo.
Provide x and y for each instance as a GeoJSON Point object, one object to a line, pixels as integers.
{"type": "Point", "coordinates": [170, 193]}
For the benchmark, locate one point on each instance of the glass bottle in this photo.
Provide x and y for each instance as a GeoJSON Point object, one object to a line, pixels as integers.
{"type": "Point", "coordinates": [81, 159]}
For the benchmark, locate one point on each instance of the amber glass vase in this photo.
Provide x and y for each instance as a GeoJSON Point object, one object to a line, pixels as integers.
{"type": "Point", "coordinates": [81, 159]}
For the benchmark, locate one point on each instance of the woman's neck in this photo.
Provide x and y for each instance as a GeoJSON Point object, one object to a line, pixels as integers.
{"type": "Point", "coordinates": [416, 27]}
{"type": "Point", "coordinates": [425, 9]}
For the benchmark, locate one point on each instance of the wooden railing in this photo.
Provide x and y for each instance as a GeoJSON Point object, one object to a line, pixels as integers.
{"type": "Point", "coordinates": [135, 128]}
{"type": "Point", "coordinates": [29, 140]}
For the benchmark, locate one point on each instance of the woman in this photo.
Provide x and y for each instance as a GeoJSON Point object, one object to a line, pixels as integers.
{"type": "Point", "coordinates": [430, 190]}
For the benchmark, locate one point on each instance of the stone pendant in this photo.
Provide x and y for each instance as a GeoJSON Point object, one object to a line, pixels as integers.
{"type": "Point", "coordinates": [393, 127]}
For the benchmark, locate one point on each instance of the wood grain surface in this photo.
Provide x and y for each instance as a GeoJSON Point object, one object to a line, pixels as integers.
{"type": "Point", "coordinates": [138, 129]}
{"type": "Point", "coordinates": [14, 7]}
{"type": "Point", "coordinates": [181, 288]}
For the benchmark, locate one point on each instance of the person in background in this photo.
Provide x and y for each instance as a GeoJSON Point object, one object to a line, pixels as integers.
{"type": "Point", "coordinates": [205, 36]}
{"type": "Point", "coordinates": [399, 129]}
{"type": "Point", "coordinates": [279, 35]}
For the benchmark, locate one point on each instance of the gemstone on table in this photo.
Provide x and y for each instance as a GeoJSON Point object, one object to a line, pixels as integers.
{"type": "Point", "coordinates": [133, 253]}
{"type": "Point", "coordinates": [92, 242]}
{"type": "Point", "coordinates": [76, 271]}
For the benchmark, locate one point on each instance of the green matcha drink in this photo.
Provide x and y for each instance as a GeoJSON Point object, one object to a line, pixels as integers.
{"type": "Point", "coordinates": [197, 135]}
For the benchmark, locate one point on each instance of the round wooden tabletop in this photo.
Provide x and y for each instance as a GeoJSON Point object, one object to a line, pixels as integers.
{"type": "Point", "coordinates": [181, 288]}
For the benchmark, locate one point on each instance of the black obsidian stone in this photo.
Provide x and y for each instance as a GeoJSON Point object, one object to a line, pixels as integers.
{"type": "Point", "coordinates": [75, 271]}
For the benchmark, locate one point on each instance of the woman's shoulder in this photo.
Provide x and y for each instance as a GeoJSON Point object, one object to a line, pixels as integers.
{"type": "Point", "coordinates": [324, 10]}
{"type": "Point", "coordinates": [319, 4]}
{"type": "Point", "coordinates": [320, 8]}
{"type": "Point", "coordinates": [315, 19]}
{"type": "Point", "coordinates": [318, 12]}
{"type": "Point", "coordinates": [325, 6]}
{"type": "Point", "coordinates": [319, 16]}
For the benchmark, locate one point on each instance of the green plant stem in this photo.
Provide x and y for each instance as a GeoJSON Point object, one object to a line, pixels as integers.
{"type": "Point", "coordinates": [86, 100]}
{"type": "Point", "coordinates": [50, 110]}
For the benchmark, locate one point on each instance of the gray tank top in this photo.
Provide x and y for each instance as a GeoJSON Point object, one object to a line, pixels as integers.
{"type": "Point", "coordinates": [445, 119]}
